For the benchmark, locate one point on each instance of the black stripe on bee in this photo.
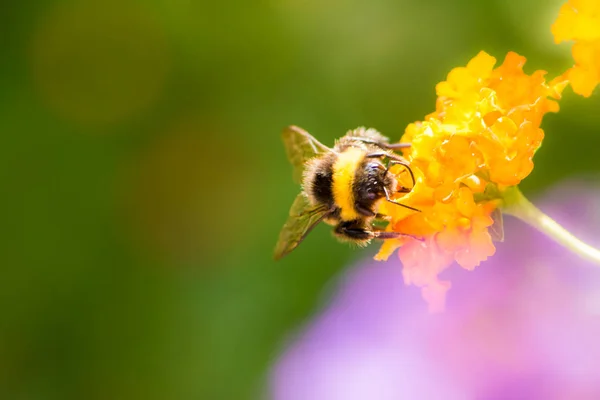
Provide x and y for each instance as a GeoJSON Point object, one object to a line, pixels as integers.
{"type": "Point", "coordinates": [319, 182]}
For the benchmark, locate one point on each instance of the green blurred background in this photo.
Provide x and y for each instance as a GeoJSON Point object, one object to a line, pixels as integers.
{"type": "Point", "coordinates": [144, 181]}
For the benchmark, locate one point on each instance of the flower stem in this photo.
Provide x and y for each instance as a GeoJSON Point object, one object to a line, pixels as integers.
{"type": "Point", "coordinates": [518, 206]}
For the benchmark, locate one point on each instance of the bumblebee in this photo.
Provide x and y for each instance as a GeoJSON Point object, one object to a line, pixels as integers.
{"type": "Point", "coordinates": [341, 186]}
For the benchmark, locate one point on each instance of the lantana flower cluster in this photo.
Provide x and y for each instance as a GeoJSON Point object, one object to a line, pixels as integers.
{"type": "Point", "coordinates": [477, 145]}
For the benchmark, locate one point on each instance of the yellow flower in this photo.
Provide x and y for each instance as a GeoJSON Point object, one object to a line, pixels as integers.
{"type": "Point", "coordinates": [479, 141]}
{"type": "Point", "coordinates": [579, 21]}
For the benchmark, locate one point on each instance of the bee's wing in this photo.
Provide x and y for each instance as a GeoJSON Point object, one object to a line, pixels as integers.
{"type": "Point", "coordinates": [300, 146]}
{"type": "Point", "coordinates": [302, 219]}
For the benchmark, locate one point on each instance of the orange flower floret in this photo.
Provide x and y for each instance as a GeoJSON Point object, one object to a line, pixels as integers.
{"type": "Point", "coordinates": [480, 140]}
{"type": "Point", "coordinates": [579, 21]}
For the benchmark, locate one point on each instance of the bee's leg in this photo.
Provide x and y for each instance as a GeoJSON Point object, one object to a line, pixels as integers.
{"type": "Point", "coordinates": [369, 213]}
{"type": "Point", "coordinates": [389, 146]}
{"type": "Point", "coordinates": [387, 197]}
{"type": "Point", "coordinates": [364, 210]}
{"type": "Point", "coordinates": [382, 217]}
{"type": "Point", "coordinates": [395, 146]}
{"type": "Point", "coordinates": [377, 234]}
{"type": "Point", "coordinates": [377, 154]}
{"type": "Point", "coordinates": [354, 231]}
{"type": "Point", "coordinates": [383, 235]}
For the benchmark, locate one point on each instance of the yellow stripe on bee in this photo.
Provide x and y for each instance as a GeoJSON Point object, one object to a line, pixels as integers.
{"type": "Point", "coordinates": [344, 170]}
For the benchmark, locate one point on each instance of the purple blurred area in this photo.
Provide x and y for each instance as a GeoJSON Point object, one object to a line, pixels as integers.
{"type": "Point", "coordinates": [524, 325]}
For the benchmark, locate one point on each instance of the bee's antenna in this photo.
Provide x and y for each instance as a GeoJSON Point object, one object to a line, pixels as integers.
{"type": "Point", "coordinates": [406, 165]}
{"type": "Point", "coordinates": [387, 197]}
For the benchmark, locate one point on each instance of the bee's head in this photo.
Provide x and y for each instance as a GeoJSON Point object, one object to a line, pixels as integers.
{"type": "Point", "coordinates": [373, 181]}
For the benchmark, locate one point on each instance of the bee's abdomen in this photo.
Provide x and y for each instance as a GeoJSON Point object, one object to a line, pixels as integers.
{"type": "Point", "coordinates": [318, 180]}
{"type": "Point", "coordinates": [321, 186]}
